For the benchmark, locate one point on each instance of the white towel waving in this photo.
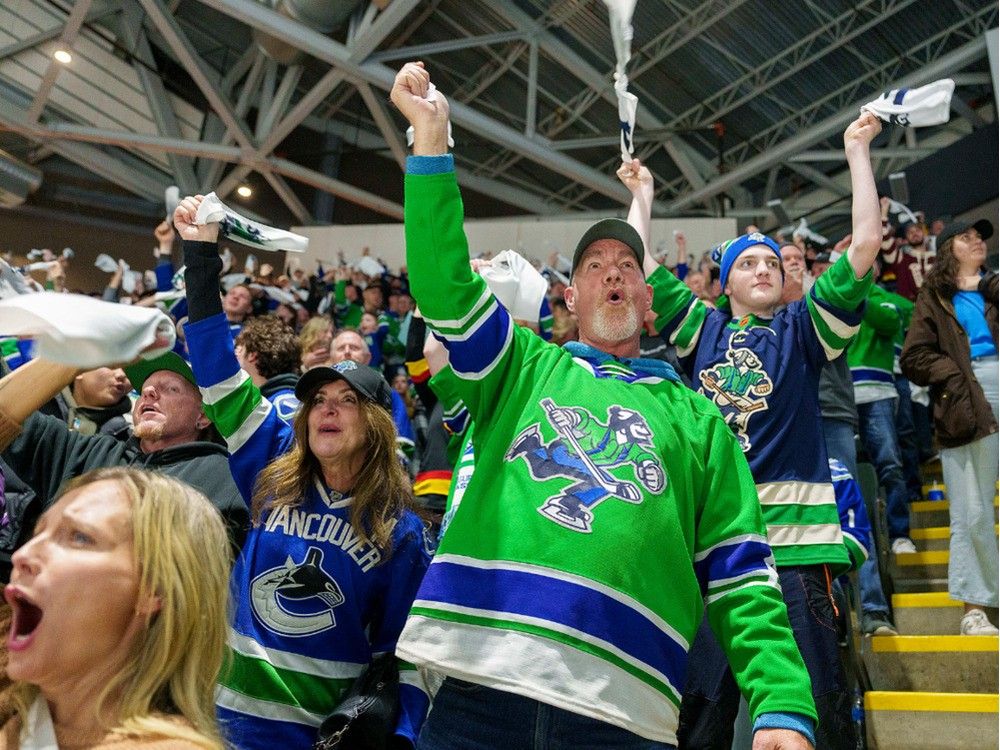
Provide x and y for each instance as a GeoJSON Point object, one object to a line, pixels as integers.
{"type": "Point", "coordinates": [516, 285]}
{"type": "Point", "coordinates": [243, 230]}
{"type": "Point", "coordinates": [620, 13]}
{"type": "Point", "coordinates": [915, 108]}
{"type": "Point", "coordinates": [77, 330]}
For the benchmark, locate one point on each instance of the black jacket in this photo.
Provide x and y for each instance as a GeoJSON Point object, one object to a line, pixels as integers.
{"type": "Point", "coordinates": [47, 453]}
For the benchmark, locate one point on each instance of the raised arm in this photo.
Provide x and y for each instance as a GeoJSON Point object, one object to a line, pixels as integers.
{"type": "Point", "coordinates": [639, 181]}
{"type": "Point", "coordinates": [253, 430]}
{"type": "Point", "coordinates": [866, 214]}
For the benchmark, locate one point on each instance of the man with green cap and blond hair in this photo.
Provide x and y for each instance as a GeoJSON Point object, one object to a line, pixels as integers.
{"type": "Point", "coordinates": [170, 433]}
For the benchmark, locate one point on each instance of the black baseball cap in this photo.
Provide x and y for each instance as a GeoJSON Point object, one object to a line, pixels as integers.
{"type": "Point", "coordinates": [609, 229]}
{"type": "Point", "coordinates": [983, 226]}
{"type": "Point", "coordinates": [364, 380]}
{"type": "Point", "coordinates": [139, 371]}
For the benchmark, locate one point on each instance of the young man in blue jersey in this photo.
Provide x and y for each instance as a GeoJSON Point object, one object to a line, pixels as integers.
{"type": "Point", "coordinates": [761, 367]}
{"type": "Point", "coordinates": [570, 582]}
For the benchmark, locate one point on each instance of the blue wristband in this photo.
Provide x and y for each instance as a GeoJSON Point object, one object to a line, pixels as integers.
{"type": "Point", "coordinates": [781, 720]}
{"type": "Point", "coordinates": [430, 164]}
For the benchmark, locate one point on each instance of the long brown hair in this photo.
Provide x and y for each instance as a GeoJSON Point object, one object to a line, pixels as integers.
{"type": "Point", "coordinates": [943, 276]}
{"type": "Point", "coordinates": [382, 491]}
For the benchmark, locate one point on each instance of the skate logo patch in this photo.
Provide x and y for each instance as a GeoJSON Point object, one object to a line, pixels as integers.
{"type": "Point", "coordinates": [602, 458]}
{"type": "Point", "coordinates": [739, 387]}
{"type": "Point", "coordinates": [296, 599]}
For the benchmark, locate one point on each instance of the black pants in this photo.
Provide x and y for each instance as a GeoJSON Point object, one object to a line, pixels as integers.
{"type": "Point", "coordinates": [711, 699]}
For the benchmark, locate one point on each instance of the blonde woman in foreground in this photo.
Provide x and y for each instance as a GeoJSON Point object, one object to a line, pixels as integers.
{"type": "Point", "coordinates": [118, 611]}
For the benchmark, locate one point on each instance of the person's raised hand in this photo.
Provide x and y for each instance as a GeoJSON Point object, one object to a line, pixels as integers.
{"type": "Point", "coordinates": [429, 117]}
{"type": "Point", "coordinates": [861, 132]}
{"type": "Point", "coordinates": [636, 177]}
{"type": "Point", "coordinates": [184, 216]}
{"type": "Point", "coordinates": [164, 234]}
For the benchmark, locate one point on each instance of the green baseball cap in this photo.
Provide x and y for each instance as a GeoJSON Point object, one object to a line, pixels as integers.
{"type": "Point", "coordinates": [139, 371]}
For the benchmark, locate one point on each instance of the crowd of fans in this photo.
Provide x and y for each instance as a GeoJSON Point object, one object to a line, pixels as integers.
{"type": "Point", "coordinates": [337, 429]}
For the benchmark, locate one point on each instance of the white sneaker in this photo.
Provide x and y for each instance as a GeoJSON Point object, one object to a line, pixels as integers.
{"type": "Point", "coordinates": [902, 545]}
{"type": "Point", "coordinates": [975, 622]}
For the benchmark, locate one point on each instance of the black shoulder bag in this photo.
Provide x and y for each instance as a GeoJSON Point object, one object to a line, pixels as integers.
{"type": "Point", "coordinates": [366, 717]}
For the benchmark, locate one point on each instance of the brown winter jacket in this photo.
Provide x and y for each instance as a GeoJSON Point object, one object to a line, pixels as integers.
{"type": "Point", "coordinates": [936, 353]}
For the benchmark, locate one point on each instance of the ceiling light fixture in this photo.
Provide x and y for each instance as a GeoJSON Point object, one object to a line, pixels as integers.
{"type": "Point", "coordinates": [244, 191]}
{"type": "Point", "coordinates": [63, 56]}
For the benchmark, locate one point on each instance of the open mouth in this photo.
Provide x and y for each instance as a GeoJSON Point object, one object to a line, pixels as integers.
{"type": "Point", "coordinates": [27, 617]}
{"type": "Point", "coordinates": [614, 296]}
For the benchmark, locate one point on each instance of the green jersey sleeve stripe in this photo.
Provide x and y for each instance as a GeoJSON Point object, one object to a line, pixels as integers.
{"type": "Point", "coordinates": [715, 595]}
{"type": "Point", "coordinates": [451, 327]}
{"type": "Point", "coordinates": [213, 394]}
{"type": "Point", "coordinates": [231, 410]}
{"type": "Point", "coordinates": [249, 426]}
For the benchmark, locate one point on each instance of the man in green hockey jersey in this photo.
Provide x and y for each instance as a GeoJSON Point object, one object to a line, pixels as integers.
{"type": "Point", "coordinates": [609, 507]}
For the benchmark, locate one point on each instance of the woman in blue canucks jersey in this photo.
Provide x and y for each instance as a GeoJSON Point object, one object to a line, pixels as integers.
{"type": "Point", "coordinates": [335, 555]}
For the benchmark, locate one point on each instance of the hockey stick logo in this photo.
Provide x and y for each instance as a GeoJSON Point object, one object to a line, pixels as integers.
{"type": "Point", "coordinates": [586, 450]}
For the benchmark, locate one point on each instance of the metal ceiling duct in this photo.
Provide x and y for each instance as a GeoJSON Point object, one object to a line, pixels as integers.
{"type": "Point", "coordinates": [322, 15]}
{"type": "Point", "coordinates": [17, 180]}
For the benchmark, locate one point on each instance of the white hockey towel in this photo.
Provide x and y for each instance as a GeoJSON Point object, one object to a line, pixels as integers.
{"type": "Point", "coordinates": [77, 330]}
{"type": "Point", "coordinates": [915, 108]}
{"type": "Point", "coordinates": [243, 230]}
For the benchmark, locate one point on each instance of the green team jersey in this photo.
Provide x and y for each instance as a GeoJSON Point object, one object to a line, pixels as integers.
{"type": "Point", "coordinates": [609, 505]}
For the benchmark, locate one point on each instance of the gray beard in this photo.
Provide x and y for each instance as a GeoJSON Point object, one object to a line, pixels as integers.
{"type": "Point", "coordinates": [608, 326]}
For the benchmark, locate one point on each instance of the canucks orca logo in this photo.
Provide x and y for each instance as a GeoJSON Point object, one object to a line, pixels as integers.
{"type": "Point", "coordinates": [586, 450]}
{"type": "Point", "coordinates": [739, 387]}
{"type": "Point", "coordinates": [296, 599]}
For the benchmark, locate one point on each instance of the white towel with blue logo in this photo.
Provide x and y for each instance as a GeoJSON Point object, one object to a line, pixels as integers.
{"type": "Point", "coordinates": [620, 12]}
{"type": "Point", "coordinates": [915, 108]}
{"type": "Point", "coordinates": [243, 230]}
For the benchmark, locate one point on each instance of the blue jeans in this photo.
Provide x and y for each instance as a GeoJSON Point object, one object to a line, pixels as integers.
{"type": "Point", "coordinates": [877, 423]}
{"type": "Point", "coordinates": [840, 445]}
{"type": "Point", "coordinates": [711, 698]}
{"type": "Point", "coordinates": [466, 716]}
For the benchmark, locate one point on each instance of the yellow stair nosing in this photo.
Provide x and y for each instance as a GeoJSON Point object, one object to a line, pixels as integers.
{"type": "Point", "coordinates": [932, 532]}
{"type": "Point", "coordinates": [938, 532]}
{"type": "Point", "coordinates": [926, 599]}
{"type": "Point", "coordinates": [921, 506]}
{"type": "Point", "coordinates": [932, 505]}
{"type": "Point", "coordinates": [935, 643]}
{"type": "Point", "coordinates": [930, 557]}
{"type": "Point", "coordinates": [938, 702]}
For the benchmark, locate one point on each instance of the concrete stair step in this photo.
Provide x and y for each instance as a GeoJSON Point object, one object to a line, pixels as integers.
{"type": "Point", "coordinates": [931, 513]}
{"type": "Point", "coordinates": [933, 538]}
{"type": "Point", "coordinates": [919, 585]}
{"type": "Point", "coordinates": [931, 721]}
{"type": "Point", "coordinates": [919, 565]}
{"type": "Point", "coordinates": [937, 663]}
{"type": "Point", "coordinates": [929, 613]}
